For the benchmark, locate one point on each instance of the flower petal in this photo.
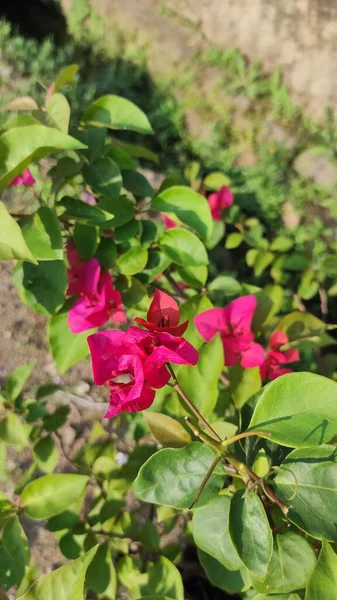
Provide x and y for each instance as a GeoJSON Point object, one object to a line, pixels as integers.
{"type": "Point", "coordinates": [164, 310]}
{"type": "Point", "coordinates": [253, 356]}
{"type": "Point", "coordinates": [211, 322]}
{"type": "Point", "coordinates": [240, 313]}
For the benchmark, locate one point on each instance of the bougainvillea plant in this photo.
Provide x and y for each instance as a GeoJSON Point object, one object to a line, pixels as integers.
{"type": "Point", "coordinates": [217, 418]}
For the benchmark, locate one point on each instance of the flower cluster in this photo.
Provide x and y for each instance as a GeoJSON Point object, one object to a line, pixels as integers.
{"type": "Point", "coordinates": [220, 201]}
{"type": "Point", "coordinates": [25, 178]}
{"type": "Point", "coordinates": [98, 300]}
{"type": "Point", "coordinates": [275, 360]}
{"type": "Point", "coordinates": [134, 363]}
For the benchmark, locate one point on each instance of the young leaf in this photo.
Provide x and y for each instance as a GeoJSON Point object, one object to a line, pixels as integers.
{"type": "Point", "coordinates": [309, 483]}
{"type": "Point", "coordinates": [21, 146]}
{"type": "Point", "coordinates": [22, 103]}
{"type": "Point", "coordinates": [59, 111]}
{"type": "Point", "coordinates": [291, 565]}
{"type": "Point", "coordinates": [133, 261]}
{"type": "Point", "coordinates": [17, 379]}
{"type": "Point", "coordinates": [117, 113]}
{"type": "Point", "coordinates": [211, 534]}
{"type": "Point", "coordinates": [82, 212]}
{"type": "Point", "coordinates": [67, 347]}
{"type": "Point", "coordinates": [324, 577]}
{"type": "Point", "coordinates": [165, 579]}
{"type": "Point", "coordinates": [42, 287]}
{"type": "Point", "coordinates": [66, 583]}
{"type": "Point", "coordinates": [250, 532]}
{"type": "Point", "coordinates": [12, 243]}
{"type": "Point", "coordinates": [49, 495]}
{"type": "Point", "coordinates": [183, 247]}
{"type": "Point", "coordinates": [232, 582]}
{"type": "Point", "coordinates": [167, 431]}
{"type": "Point", "coordinates": [190, 207]}
{"type": "Point", "coordinates": [12, 431]}
{"type": "Point", "coordinates": [298, 410]}
{"type": "Point", "coordinates": [43, 235]}
{"type": "Point", "coordinates": [173, 476]}
{"type": "Point", "coordinates": [65, 77]}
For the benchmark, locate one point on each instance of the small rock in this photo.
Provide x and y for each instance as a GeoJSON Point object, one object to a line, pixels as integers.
{"type": "Point", "coordinates": [82, 388]}
{"type": "Point", "coordinates": [316, 164]}
{"type": "Point", "coordinates": [272, 131]}
{"type": "Point", "coordinates": [290, 217]}
{"type": "Point", "coordinates": [197, 126]}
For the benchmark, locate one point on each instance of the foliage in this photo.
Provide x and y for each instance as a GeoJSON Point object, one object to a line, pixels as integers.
{"type": "Point", "coordinates": [247, 447]}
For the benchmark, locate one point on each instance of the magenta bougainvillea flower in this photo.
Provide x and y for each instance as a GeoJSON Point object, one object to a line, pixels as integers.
{"type": "Point", "coordinates": [163, 315]}
{"type": "Point", "coordinates": [220, 201]}
{"type": "Point", "coordinates": [133, 363]}
{"type": "Point", "coordinates": [25, 178]}
{"type": "Point", "coordinates": [169, 224]}
{"type": "Point", "coordinates": [234, 325]}
{"type": "Point", "coordinates": [88, 198]}
{"type": "Point", "coordinates": [275, 359]}
{"type": "Point", "coordinates": [98, 300]}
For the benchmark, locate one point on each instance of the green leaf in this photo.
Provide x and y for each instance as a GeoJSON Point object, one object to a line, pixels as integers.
{"type": "Point", "coordinates": [165, 579]}
{"type": "Point", "coordinates": [214, 181]}
{"type": "Point", "coordinates": [324, 577]}
{"type": "Point", "coordinates": [122, 158]}
{"type": "Point", "coordinates": [106, 253]}
{"type": "Point", "coordinates": [137, 151]}
{"type": "Point", "coordinates": [11, 573]}
{"type": "Point", "coordinates": [104, 177]}
{"type": "Point", "coordinates": [189, 206]}
{"type": "Point", "coordinates": [188, 310]}
{"type": "Point", "coordinates": [225, 287]}
{"type": "Point", "coordinates": [15, 543]}
{"type": "Point", "coordinates": [59, 111]}
{"type": "Point", "coordinates": [65, 583]}
{"type": "Point", "coordinates": [173, 476]}
{"type": "Point", "coordinates": [200, 382]}
{"type": "Point", "coordinates": [12, 431]}
{"type": "Point", "coordinates": [50, 494]}
{"type": "Point", "coordinates": [149, 537]}
{"type": "Point", "coordinates": [194, 276]}
{"type": "Point", "coordinates": [183, 247]}
{"type": "Point", "coordinates": [117, 113]}
{"type": "Point", "coordinates": [233, 240]}
{"type": "Point", "coordinates": [66, 76]}
{"type": "Point", "coordinates": [86, 239]}
{"type": "Point", "coordinates": [156, 265]}
{"type": "Point", "coordinates": [101, 574]}
{"type": "Point", "coordinates": [133, 261]}
{"type": "Point", "coordinates": [16, 380]}
{"type": "Point", "coordinates": [299, 325]}
{"type": "Point", "coordinates": [12, 243]}
{"type": "Point", "coordinates": [122, 208]}
{"type": "Point", "coordinates": [137, 184]}
{"type": "Point", "coordinates": [211, 532]}
{"type": "Point", "coordinates": [46, 454]}
{"type": "Point", "coordinates": [22, 103]}
{"type": "Point", "coordinates": [230, 581]}
{"type": "Point", "coordinates": [126, 232]}
{"type": "Point", "coordinates": [281, 244]}
{"type": "Point", "coordinates": [43, 235]}
{"type": "Point", "coordinates": [288, 410]}
{"type": "Point", "coordinates": [308, 477]}
{"type": "Point", "coordinates": [67, 347]}
{"type": "Point", "coordinates": [21, 146]}
{"type": "Point", "coordinates": [244, 383]}
{"type": "Point", "coordinates": [263, 259]}
{"type": "Point", "coordinates": [291, 565]}
{"type": "Point", "coordinates": [167, 431]}
{"type": "Point", "coordinates": [80, 211]}
{"type": "Point", "coordinates": [42, 287]}
{"type": "Point", "coordinates": [250, 532]}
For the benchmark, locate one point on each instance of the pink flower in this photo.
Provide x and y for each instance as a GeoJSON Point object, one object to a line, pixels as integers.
{"type": "Point", "coordinates": [169, 224]}
{"type": "Point", "coordinates": [133, 363]}
{"type": "Point", "coordinates": [98, 302]}
{"type": "Point", "coordinates": [234, 325]}
{"type": "Point", "coordinates": [26, 178]}
{"type": "Point", "coordinates": [219, 201]}
{"type": "Point", "coordinates": [163, 315]}
{"type": "Point", "coordinates": [88, 198]}
{"type": "Point", "coordinates": [272, 366]}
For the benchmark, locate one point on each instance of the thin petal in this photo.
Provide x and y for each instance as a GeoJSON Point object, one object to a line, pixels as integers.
{"type": "Point", "coordinates": [164, 310]}
{"type": "Point", "coordinates": [90, 276]}
{"type": "Point", "coordinates": [211, 322]}
{"type": "Point", "coordinates": [105, 347]}
{"type": "Point", "coordinates": [240, 313]}
{"type": "Point", "coordinates": [278, 339]}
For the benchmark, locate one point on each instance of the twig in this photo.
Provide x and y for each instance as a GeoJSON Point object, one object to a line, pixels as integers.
{"type": "Point", "coordinates": [299, 302]}
{"type": "Point", "coordinates": [65, 453]}
{"type": "Point", "coordinates": [224, 379]}
{"type": "Point", "coordinates": [174, 284]}
{"type": "Point", "coordinates": [324, 303]}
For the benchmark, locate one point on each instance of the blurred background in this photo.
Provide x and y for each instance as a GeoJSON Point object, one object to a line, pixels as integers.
{"type": "Point", "coordinates": [247, 87]}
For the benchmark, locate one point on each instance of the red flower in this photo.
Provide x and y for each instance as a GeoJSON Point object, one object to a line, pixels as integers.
{"type": "Point", "coordinates": [275, 359]}
{"type": "Point", "coordinates": [98, 302]}
{"type": "Point", "coordinates": [133, 363]}
{"type": "Point", "coordinates": [163, 315]}
{"type": "Point", "coordinates": [220, 201]}
{"type": "Point", "coordinates": [169, 224]}
{"type": "Point", "coordinates": [234, 325]}
{"type": "Point", "coordinates": [26, 178]}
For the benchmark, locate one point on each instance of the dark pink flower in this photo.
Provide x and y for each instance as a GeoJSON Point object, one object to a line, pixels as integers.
{"type": "Point", "coordinates": [98, 302]}
{"type": "Point", "coordinates": [169, 224]}
{"type": "Point", "coordinates": [220, 201]}
{"type": "Point", "coordinates": [275, 358]}
{"type": "Point", "coordinates": [234, 325]}
{"type": "Point", "coordinates": [163, 315]}
{"type": "Point", "coordinates": [88, 198]}
{"type": "Point", "coordinates": [25, 178]}
{"type": "Point", "coordinates": [133, 363]}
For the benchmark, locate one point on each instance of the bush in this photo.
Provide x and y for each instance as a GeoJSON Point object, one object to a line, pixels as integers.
{"type": "Point", "coordinates": [222, 421]}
